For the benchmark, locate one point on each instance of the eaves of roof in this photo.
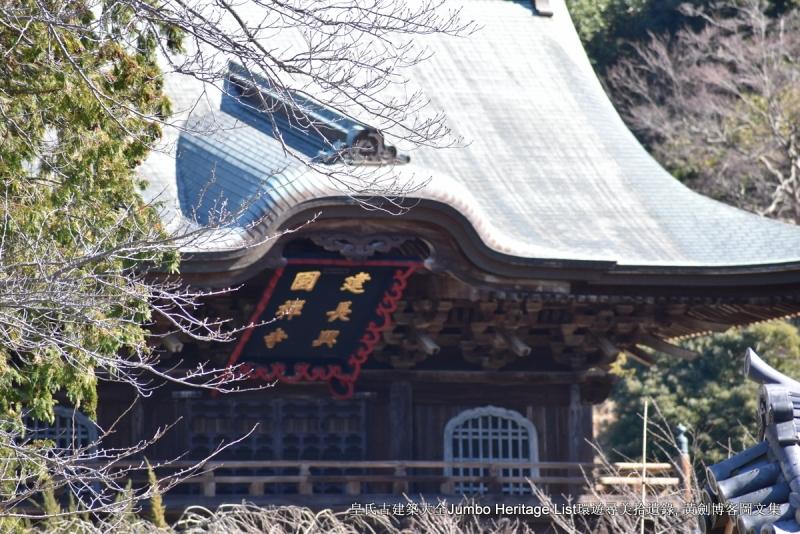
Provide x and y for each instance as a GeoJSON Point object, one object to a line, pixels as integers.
{"type": "Point", "coordinates": [550, 182]}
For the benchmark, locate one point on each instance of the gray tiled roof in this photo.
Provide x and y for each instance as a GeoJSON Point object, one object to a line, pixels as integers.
{"type": "Point", "coordinates": [766, 474]}
{"type": "Point", "coordinates": [549, 172]}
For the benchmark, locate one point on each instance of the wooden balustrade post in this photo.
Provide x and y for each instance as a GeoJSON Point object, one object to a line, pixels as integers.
{"type": "Point", "coordinates": [352, 487]}
{"type": "Point", "coordinates": [256, 488]}
{"type": "Point", "coordinates": [495, 486]}
{"type": "Point", "coordinates": [400, 486]}
{"type": "Point", "coordinates": [209, 484]}
{"type": "Point", "coordinates": [684, 462]}
{"type": "Point", "coordinates": [306, 487]}
{"type": "Point", "coordinates": [447, 487]}
{"type": "Point", "coordinates": [596, 478]}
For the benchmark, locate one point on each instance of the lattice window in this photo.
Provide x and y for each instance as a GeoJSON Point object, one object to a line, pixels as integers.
{"type": "Point", "coordinates": [288, 429]}
{"type": "Point", "coordinates": [492, 435]}
{"type": "Point", "coordinates": [70, 429]}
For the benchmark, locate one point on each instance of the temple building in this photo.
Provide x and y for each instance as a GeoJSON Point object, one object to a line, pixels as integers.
{"type": "Point", "coordinates": [474, 330]}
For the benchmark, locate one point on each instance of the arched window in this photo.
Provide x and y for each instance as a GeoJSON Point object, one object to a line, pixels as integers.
{"type": "Point", "coordinates": [491, 435]}
{"type": "Point", "coordinates": [70, 429]}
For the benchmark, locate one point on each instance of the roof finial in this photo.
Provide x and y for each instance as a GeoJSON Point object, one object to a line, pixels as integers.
{"type": "Point", "coordinates": [543, 8]}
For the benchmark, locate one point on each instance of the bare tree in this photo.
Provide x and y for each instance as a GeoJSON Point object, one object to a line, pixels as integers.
{"type": "Point", "coordinates": [251, 519]}
{"type": "Point", "coordinates": [720, 107]}
{"type": "Point", "coordinates": [628, 508]}
{"type": "Point", "coordinates": [88, 285]}
{"type": "Point", "coordinates": [102, 309]}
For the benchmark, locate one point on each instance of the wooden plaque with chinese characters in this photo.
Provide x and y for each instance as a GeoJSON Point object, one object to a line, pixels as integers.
{"type": "Point", "coordinates": [321, 319]}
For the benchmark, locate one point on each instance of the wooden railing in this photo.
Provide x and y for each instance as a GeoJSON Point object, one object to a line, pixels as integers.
{"type": "Point", "coordinates": [399, 477]}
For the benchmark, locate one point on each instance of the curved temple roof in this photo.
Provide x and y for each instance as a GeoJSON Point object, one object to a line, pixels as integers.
{"type": "Point", "coordinates": [550, 171]}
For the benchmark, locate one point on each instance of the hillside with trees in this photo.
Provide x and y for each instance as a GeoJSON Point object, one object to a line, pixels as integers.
{"type": "Point", "coordinates": [712, 91]}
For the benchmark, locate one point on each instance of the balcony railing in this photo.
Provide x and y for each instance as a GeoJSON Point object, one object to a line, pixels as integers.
{"type": "Point", "coordinates": [252, 479]}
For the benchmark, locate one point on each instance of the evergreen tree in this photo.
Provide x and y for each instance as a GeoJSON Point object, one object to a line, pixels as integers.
{"type": "Point", "coordinates": [67, 188]}
{"type": "Point", "coordinates": [708, 394]}
{"type": "Point", "coordinates": [608, 27]}
{"type": "Point", "coordinates": [157, 511]}
{"type": "Point", "coordinates": [126, 498]}
{"type": "Point", "coordinates": [50, 506]}
{"type": "Point", "coordinates": [84, 260]}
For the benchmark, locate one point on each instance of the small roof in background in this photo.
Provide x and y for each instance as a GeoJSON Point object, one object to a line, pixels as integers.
{"type": "Point", "coordinates": [549, 170]}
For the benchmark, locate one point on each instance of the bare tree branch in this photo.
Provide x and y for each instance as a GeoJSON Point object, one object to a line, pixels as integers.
{"type": "Point", "coordinates": [720, 107]}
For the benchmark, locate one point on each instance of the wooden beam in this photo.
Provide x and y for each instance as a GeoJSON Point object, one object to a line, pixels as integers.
{"type": "Point", "coordinates": [519, 347]}
{"type": "Point", "coordinates": [633, 481]}
{"type": "Point", "coordinates": [608, 349]}
{"type": "Point", "coordinates": [476, 377]}
{"type": "Point", "coordinates": [640, 356]}
{"type": "Point", "coordinates": [700, 325]}
{"type": "Point", "coordinates": [660, 345]}
{"type": "Point", "coordinates": [427, 344]}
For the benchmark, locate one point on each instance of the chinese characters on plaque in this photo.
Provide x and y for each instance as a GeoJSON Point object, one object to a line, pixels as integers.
{"type": "Point", "coordinates": [315, 317]}
{"type": "Point", "coordinates": [306, 281]}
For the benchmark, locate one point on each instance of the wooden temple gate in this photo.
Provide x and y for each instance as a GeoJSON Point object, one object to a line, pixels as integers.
{"type": "Point", "coordinates": [460, 346]}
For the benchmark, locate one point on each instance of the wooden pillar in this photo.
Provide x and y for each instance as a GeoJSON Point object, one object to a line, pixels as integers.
{"type": "Point", "coordinates": [137, 421]}
{"type": "Point", "coordinates": [575, 424]}
{"type": "Point", "coordinates": [401, 421]}
{"type": "Point", "coordinates": [575, 431]}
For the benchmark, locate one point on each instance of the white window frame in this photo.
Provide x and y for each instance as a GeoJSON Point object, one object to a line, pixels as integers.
{"type": "Point", "coordinates": [525, 426]}
{"type": "Point", "coordinates": [64, 436]}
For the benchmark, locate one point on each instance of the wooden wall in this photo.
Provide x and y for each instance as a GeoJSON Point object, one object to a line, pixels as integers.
{"type": "Point", "coordinates": [393, 432]}
{"type": "Point", "coordinates": [435, 404]}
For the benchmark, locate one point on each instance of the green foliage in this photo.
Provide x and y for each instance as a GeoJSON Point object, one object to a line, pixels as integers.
{"type": "Point", "coordinates": [14, 525]}
{"type": "Point", "coordinates": [79, 104]}
{"type": "Point", "coordinates": [127, 498]}
{"type": "Point", "coordinates": [50, 505]}
{"type": "Point", "coordinates": [708, 394]}
{"type": "Point", "coordinates": [607, 26]}
{"type": "Point", "coordinates": [74, 125]}
{"type": "Point", "coordinates": [157, 511]}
